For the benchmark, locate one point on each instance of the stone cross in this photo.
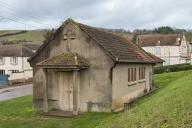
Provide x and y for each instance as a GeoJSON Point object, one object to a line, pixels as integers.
{"type": "Point", "coordinates": [69, 35]}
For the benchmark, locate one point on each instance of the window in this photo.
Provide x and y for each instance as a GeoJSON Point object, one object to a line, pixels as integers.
{"type": "Point", "coordinates": [14, 71]}
{"type": "Point", "coordinates": [166, 51]}
{"type": "Point", "coordinates": [158, 51]}
{"type": "Point", "coordinates": [14, 60]}
{"type": "Point", "coordinates": [141, 72]}
{"type": "Point", "coordinates": [2, 61]}
{"type": "Point", "coordinates": [2, 72]}
{"type": "Point", "coordinates": [132, 74]}
{"type": "Point", "coordinates": [33, 51]}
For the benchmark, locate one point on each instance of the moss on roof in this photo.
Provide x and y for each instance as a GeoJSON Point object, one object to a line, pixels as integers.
{"type": "Point", "coordinates": [65, 59]}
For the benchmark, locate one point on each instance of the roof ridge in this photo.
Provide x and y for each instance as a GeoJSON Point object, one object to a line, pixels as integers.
{"type": "Point", "coordinates": [100, 29]}
{"type": "Point", "coordinates": [78, 25]}
{"type": "Point", "coordinates": [174, 34]}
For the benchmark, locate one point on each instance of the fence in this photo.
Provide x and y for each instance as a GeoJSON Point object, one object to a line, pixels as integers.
{"type": "Point", "coordinates": [4, 80]}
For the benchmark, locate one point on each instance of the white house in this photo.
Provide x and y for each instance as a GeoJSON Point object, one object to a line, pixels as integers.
{"type": "Point", "coordinates": [189, 40]}
{"type": "Point", "coordinates": [13, 62]}
{"type": "Point", "coordinates": [173, 48]}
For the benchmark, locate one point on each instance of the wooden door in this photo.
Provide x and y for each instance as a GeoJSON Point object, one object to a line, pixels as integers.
{"type": "Point", "coordinates": [66, 91]}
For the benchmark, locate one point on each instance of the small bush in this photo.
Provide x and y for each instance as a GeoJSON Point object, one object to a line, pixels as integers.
{"type": "Point", "coordinates": [172, 68]}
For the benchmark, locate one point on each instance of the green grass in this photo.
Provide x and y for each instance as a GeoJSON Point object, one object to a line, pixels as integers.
{"type": "Point", "coordinates": [169, 107]}
{"type": "Point", "coordinates": [18, 113]}
{"type": "Point", "coordinates": [31, 35]}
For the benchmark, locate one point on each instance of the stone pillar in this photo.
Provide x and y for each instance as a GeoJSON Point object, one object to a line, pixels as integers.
{"type": "Point", "coordinates": [76, 89]}
{"type": "Point", "coordinates": [45, 98]}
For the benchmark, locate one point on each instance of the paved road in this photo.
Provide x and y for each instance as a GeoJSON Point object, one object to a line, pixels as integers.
{"type": "Point", "coordinates": [13, 92]}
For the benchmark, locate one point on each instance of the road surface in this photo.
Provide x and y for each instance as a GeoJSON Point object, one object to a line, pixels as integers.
{"type": "Point", "coordinates": [13, 92]}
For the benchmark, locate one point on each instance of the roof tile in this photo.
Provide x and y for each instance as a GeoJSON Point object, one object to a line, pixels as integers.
{"type": "Point", "coordinates": [65, 59]}
{"type": "Point", "coordinates": [159, 40]}
{"type": "Point", "coordinates": [116, 46]}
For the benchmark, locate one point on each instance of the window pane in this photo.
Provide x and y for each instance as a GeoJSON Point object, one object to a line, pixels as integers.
{"type": "Point", "coordinates": [158, 51]}
{"type": "Point", "coordinates": [128, 74]}
{"type": "Point", "coordinates": [1, 60]}
{"type": "Point", "coordinates": [14, 60]}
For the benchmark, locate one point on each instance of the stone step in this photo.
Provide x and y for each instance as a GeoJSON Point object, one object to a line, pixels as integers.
{"type": "Point", "coordinates": [59, 113]}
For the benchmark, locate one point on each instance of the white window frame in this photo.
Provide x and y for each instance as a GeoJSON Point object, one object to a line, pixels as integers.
{"type": "Point", "coordinates": [2, 60]}
{"type": "Point", "coordinates": [166, 51]}
{"type": "Point", "coordinates": [157, 52]}
{"type": "Point", "coordinates": [14, 60]}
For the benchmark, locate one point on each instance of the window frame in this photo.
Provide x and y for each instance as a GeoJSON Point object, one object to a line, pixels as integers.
{"type": "Point", "coordinates": [142, 71]}
{"type": "Point", "coordinates": [132, 74]}
{"type": "Point", "coordinates": [3, 60]}
{"type": "Point", "coordinates": [158, 51]}
{"type": "Point", "coordinates": [14, 62]}
{"type": "Point", "coordinates": [166, 51]}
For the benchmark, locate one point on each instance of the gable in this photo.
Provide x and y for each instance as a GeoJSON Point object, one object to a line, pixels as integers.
{"type": "Point", "coordinates": [117, 48]}
{"type": "Point", "coordinates": [82, 44]}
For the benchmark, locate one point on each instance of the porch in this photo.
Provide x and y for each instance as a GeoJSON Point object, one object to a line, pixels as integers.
{"type": "Point", "coordinates": [66, 67]}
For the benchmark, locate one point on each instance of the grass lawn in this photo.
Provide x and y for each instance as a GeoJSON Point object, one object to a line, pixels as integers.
{"type": "Point", "coordinates": [31, 35]}
{"type": "Point", "coordinates": [168, 107]}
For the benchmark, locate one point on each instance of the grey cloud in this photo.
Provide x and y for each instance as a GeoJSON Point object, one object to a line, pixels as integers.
{"type": "Point", "coordinates": [128, 14]}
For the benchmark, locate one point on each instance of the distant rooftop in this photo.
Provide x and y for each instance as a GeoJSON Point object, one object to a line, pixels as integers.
{"type": "Point", "coordinates": [160, 40]}
{"type": "Point", "coordinates": [18, 50]}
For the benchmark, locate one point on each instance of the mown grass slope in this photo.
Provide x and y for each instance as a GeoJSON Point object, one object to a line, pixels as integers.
{"type": "Point", "coordinates": [31, 35]}
{"type": "Point", "coordinates": [169, 107]}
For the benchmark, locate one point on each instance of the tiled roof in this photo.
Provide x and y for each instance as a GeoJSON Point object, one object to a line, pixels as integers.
{"type": "Point", "coordinates": [32, 46]}
{"type": "Point", "coordinates": [160, 40]}
{"type": "Point", "coordinates": [15, 50]}
{"type": "Point", "coordinates": [66, 60]}
{"type": "Point", "coordinates": [157, 59]}
{"type": "Point", "coordinates": [117, 47]}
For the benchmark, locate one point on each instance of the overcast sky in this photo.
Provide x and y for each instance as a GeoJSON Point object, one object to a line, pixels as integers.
{"type": "Point", "coordinates": [127, 14]}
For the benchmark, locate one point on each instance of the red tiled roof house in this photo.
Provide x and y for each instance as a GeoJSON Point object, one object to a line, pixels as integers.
{"type": "Point", "coordinates": [173, 48]}
{"type": "Point", "coordinates": [82, 68]}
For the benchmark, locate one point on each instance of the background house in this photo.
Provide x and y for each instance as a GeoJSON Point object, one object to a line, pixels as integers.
{"type": "Point", "coordinates": [189, 40]}
{"type": "Point", "coordinates": [158, 61]}
{"type": "Point", "coordinates": [13, 62]}
{"type": "Point", "coordinates": [173, 48]}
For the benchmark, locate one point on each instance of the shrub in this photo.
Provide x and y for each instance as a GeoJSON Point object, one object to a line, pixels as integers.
{"type": "Point", "coordinates": [172, 68]}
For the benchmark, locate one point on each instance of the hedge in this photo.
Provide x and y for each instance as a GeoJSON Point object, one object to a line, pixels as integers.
{"type": "Point", "coordinates": [172, 68]}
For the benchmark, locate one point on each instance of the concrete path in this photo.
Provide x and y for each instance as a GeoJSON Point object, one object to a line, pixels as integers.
{"type": "Point", "coordinates": [13, 92]}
